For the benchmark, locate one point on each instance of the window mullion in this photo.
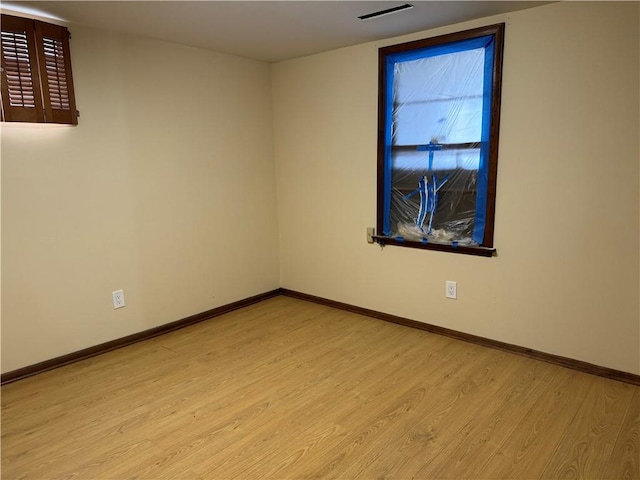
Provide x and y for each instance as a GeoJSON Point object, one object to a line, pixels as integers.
{"type": "Point", "coordinates": [441, 146]}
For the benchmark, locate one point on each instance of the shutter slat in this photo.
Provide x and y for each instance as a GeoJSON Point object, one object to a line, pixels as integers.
{"type": "Point", "coordinates": [15, 51]}
{"type": "Point", "coordinates": [56, 74]}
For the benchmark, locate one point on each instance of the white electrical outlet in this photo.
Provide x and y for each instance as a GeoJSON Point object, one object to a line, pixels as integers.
{"type": "Point", "coordinates": [118, 299]}
{"type": "Point", "coordinates": [451, 289]}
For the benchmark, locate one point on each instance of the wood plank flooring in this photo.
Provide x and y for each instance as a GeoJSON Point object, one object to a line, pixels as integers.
{"type": "Point", "coordinates": [289, 389]}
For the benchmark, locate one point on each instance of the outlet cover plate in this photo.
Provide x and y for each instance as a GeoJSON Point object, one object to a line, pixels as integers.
{"type": "Point", "coordinates": [118, 299]}
{"type": "Point", "coordinates": [451, 289]}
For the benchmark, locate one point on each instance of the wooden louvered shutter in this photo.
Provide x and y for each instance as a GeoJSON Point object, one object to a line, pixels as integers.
{"type": "Point", "coordinates": [22, 97]}
{"type": "Point", "coordinates": [55, 73]}
{"type": "Point", "coordinates": [36, 72]}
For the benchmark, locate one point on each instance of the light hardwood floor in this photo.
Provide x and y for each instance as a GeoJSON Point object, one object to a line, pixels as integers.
{"type": "Point", "coordinates": [290, 389]}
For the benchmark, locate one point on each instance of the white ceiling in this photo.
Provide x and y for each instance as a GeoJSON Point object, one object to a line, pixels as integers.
{"type": "Point", "coordinates": [266, 30]}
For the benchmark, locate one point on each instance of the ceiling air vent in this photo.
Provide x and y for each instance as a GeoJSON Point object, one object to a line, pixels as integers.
{"type": "Point", "coordinates": [388, 11]}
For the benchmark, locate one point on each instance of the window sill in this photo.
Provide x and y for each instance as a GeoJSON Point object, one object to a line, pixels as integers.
{"type": "Point", "coordinates": [440, 247]}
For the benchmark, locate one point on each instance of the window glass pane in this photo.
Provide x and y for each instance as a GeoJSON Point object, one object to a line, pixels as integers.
{"type": "Point", "coordinates": [454, 216]}
{"type": "Point", "coordinates": [454, 121]}
{"type": "Point", "coordinates": [439, 99]}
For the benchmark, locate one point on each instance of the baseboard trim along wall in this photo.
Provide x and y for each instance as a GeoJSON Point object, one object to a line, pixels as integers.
{"type": "Point", "coordinates": [83, 354]}
{"type": "Point", "coordinates": [466, 337]}
{"type": "Point", "coordinates": [578, 365]}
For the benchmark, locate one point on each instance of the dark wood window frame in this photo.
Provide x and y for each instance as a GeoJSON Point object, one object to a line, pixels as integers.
{"type": "Point", "coordinates": [37, 82]}
{"type": "Point", "coordinates": [486, 248]}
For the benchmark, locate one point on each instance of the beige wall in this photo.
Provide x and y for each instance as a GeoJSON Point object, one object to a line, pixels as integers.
{"type": "Point", "coordinates": [166, 189]}
{"type": "Point", "coordinates": [566, 279]}
{"type": "Point", "coordinates": [174, 200]}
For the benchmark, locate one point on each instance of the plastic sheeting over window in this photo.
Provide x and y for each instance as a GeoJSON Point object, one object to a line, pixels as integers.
{"type": "Point", "coordinates": [439, 99]}
{"type": "Point", "coordinates": [438, 106]}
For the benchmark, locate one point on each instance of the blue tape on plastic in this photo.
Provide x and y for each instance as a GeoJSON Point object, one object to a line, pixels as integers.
{"type": "Point", "coordinates": [424, 197]}
{"type": "Point", "coordinates": [399, 239]}
{"type": "Point", "coordinates": [429, 147]}
{"type": "Point", "coordinates": [386, 208]}
{"type": "Point", "coordinates": [483, 168]}
{"type": "Point", "coordinates": [425, 240]}
{"type": "Point", "coordinates": [412, 194]}
{"type": "Point", "coordinates": [428, 200]}
{"type": "Point", "coordinates": [454, 244]}
{"type": "Point", "coordinates": [486, 42]}
{"type": "Point", "coordinates": [471, 44]}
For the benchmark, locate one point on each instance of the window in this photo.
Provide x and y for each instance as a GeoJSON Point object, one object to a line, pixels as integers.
{"type": "Point", "coordinates": [36, 72]}
{"type": "Point", "coordinates": [438, 124]}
